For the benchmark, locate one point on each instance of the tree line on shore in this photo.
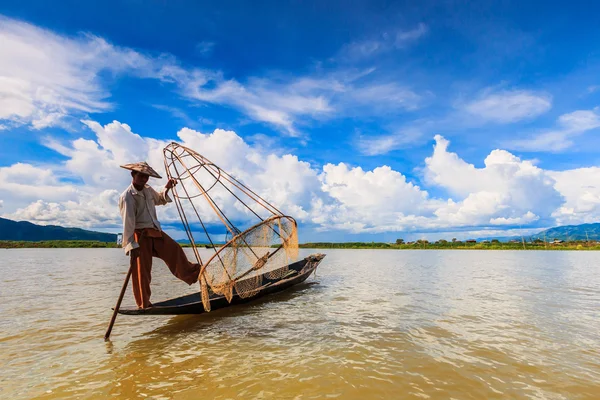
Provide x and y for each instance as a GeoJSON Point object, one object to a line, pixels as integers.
{"type": "Point", "coordinates": [400, 244]}
{"type": "Point", "coordinates": [494, 244]}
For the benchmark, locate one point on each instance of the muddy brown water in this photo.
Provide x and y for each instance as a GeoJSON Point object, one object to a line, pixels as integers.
{"type": "Point", "coordinates": [375, 324]}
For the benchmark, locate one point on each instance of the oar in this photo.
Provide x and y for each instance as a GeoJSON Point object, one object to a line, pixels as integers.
{"type": "Point", "coordinates": [132, 263]}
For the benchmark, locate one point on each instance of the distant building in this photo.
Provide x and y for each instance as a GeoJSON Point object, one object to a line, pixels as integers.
{"type": "Point", "coordinates": [557, 241]}
{"type": "Point", "coordinates": [119, 239]}
{"type": "Point", "coordinates": [471, 241]}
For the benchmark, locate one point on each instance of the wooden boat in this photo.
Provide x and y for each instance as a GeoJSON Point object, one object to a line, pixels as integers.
{"type": "Point", "coordinates": [255, 261]}
{"type": "Point", "coordinates": [192, 304]}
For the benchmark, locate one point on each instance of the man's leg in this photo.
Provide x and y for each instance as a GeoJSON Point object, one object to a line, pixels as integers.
{"type": "Point", "coordinates": [173, 255]}
{"type": "Point", "coordinates": [142, 275]}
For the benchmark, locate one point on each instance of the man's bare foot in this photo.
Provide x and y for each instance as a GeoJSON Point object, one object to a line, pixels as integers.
{"type": "Point", "coordinates": [198, 268]}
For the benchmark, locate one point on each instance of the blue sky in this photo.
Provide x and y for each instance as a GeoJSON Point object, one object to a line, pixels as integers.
{"type": "Point", "coordinates": [357, 93]}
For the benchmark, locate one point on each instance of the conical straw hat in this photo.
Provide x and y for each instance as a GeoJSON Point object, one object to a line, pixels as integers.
{"type": "Point", "coordinates": [142, 167]}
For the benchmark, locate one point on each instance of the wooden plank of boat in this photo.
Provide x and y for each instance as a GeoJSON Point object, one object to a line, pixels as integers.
{"type": "Point", "coordinates": [192, 303]}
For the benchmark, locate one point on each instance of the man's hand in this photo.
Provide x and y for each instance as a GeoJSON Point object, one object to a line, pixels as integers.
{"type": "Point", "coordinates": [172, 182]}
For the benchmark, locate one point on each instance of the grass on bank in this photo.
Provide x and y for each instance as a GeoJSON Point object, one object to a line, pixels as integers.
{"type": "Point", "coordinates": [56, 244]}
{"type": "Point", "coordinates": [458, 245]}
{"type": "Point", "coordinates": [65, 244]}
{"type": "Point", "coordinates": [418, 245]}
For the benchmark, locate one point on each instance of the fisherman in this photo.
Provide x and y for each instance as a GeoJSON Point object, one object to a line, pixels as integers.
{"type": "Point", "coordinates": [143, 237]}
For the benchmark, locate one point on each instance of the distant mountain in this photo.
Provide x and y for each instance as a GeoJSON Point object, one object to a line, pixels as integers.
{"type": "Point", "coordinates": [571, 232]}
{"type": "Point", "coordinates": [13, 230]}
{"type": "Point", "coordinates": [566, 233]}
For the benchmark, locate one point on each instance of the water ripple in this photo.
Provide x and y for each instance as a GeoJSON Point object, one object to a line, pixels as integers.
{"type": "Point", "coordinates": [371, 324]}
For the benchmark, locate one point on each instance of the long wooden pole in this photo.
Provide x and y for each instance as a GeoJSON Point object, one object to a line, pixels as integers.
{"type": "Point", "coordinates": [132, 263]}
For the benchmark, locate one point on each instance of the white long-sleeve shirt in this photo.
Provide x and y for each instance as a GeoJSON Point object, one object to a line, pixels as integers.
{"type": "Point", "coordinates": [138, 212]}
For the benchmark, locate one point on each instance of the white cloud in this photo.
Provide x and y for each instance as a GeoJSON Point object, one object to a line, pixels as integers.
{"type": "Point", "coordinates": [45, 77]}
{"type": "Point", "coordinates": [507, 192]}
{"type": "Point", "coordinates": [368, 200]}
{"type": "Point", "coordinates": [524, 219]}
{"type": "Point", "coordinates": [386, 41]}
{"type": "Point", "coordinates": [405, 37]}
{"type": "Point", "coordinates": [204, 48]}
{"type": "Point", "coordinates": [383, 144]}
{"type": "Point", "coordinates": [283, 102]}
{"type": "Point", "coordinates": [27, 182]}
{"type": "Point", "coordinates": [579, 121]}
{"type": "Point", "coordinates": [384, 98]}
{"type": "Point", "coordinates": [282, 179]}
{"type": "Point", "coordinates": [39, 195]}
{"type": "Point", "coordinates": [570, 126]}
{"type": "Point", "coordinates": [581, 189]}
{"type": "Point", "coordinates": [89, 211]}
{"type": "Point", "coordinates": [267, 101]}
{"type": "Point", "coordinates": [505, 189]}
{"type": "Point", "coordinates": [509, 106]}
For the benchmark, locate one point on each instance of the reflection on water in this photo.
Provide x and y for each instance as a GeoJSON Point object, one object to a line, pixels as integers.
{"type": "Point", "coordinates": [371, 324]}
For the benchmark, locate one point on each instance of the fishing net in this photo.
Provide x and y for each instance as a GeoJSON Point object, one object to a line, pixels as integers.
{"type": "Point", "coordinates": [248, 257]}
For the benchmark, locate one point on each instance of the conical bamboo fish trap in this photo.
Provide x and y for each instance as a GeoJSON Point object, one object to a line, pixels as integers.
{"type": "Point", "coordinates": [264, 248]}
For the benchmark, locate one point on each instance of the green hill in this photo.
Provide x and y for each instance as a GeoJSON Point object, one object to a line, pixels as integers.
{"type": "Point", "coordinates": [571, 232]}
{"type": "Point", "coordinates": [566, 233]}
{"type": "Point", "coordinates": [13, 230]}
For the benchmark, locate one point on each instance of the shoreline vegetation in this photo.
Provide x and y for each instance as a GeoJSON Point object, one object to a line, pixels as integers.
{"type": "Point", "coordinates": [399, 245]}
{"type": "Point", "coordinates": [458, 245]}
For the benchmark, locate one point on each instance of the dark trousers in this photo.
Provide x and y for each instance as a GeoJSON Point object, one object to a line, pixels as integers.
{"type": "Point", "coordinates": [154, 243]}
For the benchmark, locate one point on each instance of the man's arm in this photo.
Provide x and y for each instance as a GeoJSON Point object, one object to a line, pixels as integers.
{"type": "Point", "coordinates": [161, 198]}
{"type": "Point", "coordinates": [127, 209]}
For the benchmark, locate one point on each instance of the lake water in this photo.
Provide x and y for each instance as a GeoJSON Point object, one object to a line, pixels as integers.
{"type": "Point", "coordinates": [371, 324]}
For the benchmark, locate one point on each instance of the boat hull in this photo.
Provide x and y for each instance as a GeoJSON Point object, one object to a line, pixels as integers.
{"type": "Point", "coordinates": [192, 304]}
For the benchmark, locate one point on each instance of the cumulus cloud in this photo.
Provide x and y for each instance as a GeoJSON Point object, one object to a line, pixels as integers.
{"type": "Point", "coordinates": [505, 193]}
{"type": "Point", "coordinates": [569, 126]}
{"type": "Point", "coordinates": [284, 180]}
{"type": "Point", "coordinates": [581, 189]}
{"type": "Point", "coordinates": [524, 219]}
{"type": "Point", "coordinates": [41, 195]}
{"type": "Point", "coordinates": [26, 182]}
{"type": "Point", "coordinates": [367, 201]}
{"type": "Point", "coordinates": [89, 211]}
{"type": "Point", "coordinates": [509, 106]}
{"type": "Point", "coordinates": [505, 189]}
{"type": "Point", "coordinates": [82, 190]}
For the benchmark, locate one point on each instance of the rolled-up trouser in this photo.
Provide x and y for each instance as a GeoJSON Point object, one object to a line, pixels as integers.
{"type": "Point", "coordinates": [155, 243]}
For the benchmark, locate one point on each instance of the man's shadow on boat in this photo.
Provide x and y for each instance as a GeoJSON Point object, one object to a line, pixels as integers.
{"type": "Point", "coordinates": [195, 322]}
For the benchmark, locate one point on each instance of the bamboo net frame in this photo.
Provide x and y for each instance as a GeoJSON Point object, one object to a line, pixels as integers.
{"type": "Point", "coordinates": [263, 249]}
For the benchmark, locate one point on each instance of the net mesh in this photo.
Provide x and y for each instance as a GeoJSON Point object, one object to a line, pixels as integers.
{"type": "Point", "coordinates": [265, 249]}
{"type": "Point", "coordinates": [241, 265]}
